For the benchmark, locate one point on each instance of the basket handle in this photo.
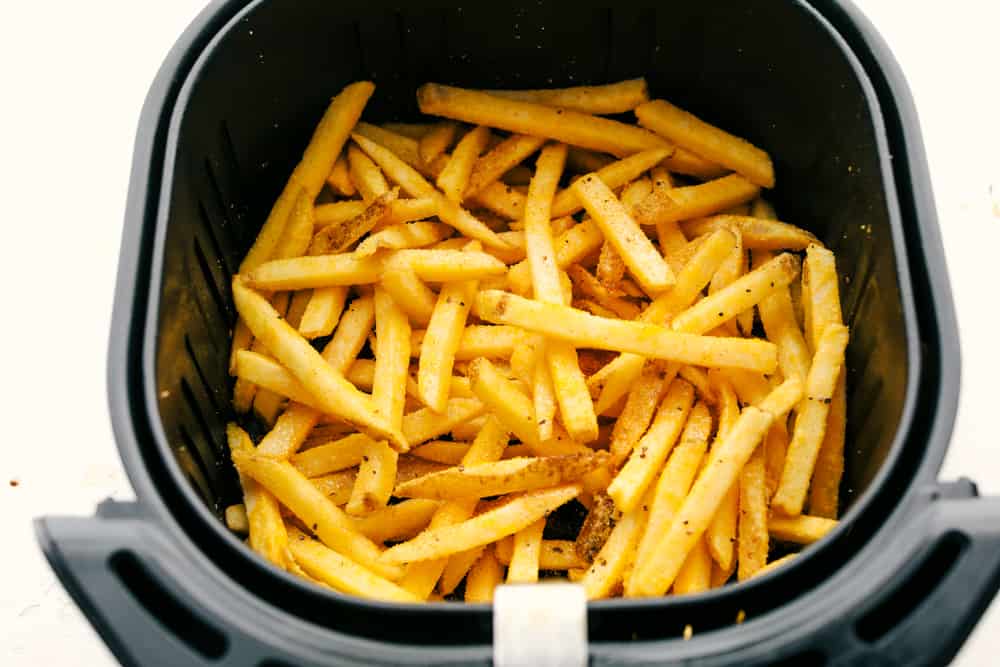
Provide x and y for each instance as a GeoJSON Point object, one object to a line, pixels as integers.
{"type": "Point", "coordinates": [543, 624]}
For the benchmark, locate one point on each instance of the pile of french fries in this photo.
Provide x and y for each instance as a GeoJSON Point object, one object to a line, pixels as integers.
{"type": "Point", "coordinates": [456, 327]}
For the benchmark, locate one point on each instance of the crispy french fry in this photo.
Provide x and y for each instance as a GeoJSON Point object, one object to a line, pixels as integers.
{"type": "Point", "coordinates": [311, 172]}
{"type": "Point", "coordinates": [610, 267]}
{"type": "Point", "coordinates": [289, 432]}
{"type": "Point", "coordinates": [570, 247]}
{"type": "Point", "coordinates": [444, 332]}
{"type": "Point", "coordinates": [446, 265]}
{"type": "Point", "coordinates": [570, 127]}
{"type": "Point", "coordinates": [402, 211]}
{"type": "Point", "coordinates": [480, 340]}
{"type": "Point", "coordinates": [236, 518]}
{"type": "Point", "coordinates": [645, 461]}
{"type": "Point", "coordinates": [524, 561]}
{"type": "Point", "coordinates": [396, 522]}
{"type": "Point", "coordinates": [483, 578]}
{"type": "Point", "coordinates": [621, 230]}
{"type": "Point", "coordinates": [691, 520]}
{"type": "Point", "coordinates": [298, 230]}
{"type": "Point", "coordinates": [404, 147]}
{"type": "Point", "coordinates": [695, 575]}
{"type": "Point", "coordinates": [339, 179]}
{"type": "Point", "coordinates": [608, 567]}
{"type": "Point", "coordinates": [775, 564]}
{"type": "Point", "coordinates": [720, 536]}
{"type": "Point", "coordinates": [268, 536]}
{"type": "Point", "coordinates": [336, 238]}
{"type": "Point", "coordinates": [824, 492]}
{"type": "Point", "coordinates": [610, 98]}
{"type": "Point", "coordinates": [635, 192]}
{"type": "Point", "coordinates": [591, 287]}
{"type": "Point", "coordinates": [457, 568]}
{"type": "Point", "coordinates": [412, 295]}
{"type": "Point", "coordinates": [342, 573]}
{"type": "Point", "coordinates": [256, 369]}
{"type": "Point", "coordinates": [315, 510]}
{"type": "Point", "coordinates": [402, 236]}
{"type": "Point", "coordinates": [366, 175]}
{"type": "Point", "coordinates": [708, 141]}
{"type": "Point", "coordinates": [340, 454]}
{"type": "Point", "coordinates": [810, 424]}
{"type": "Point", "coordinates": [437, 140]}
{"type": "Point", "coordinates": [775, 452]}
{"type": "Point", "coordinates": [537, 231]}
{"type": "Point", "coordinates": [411, 130]}
{"type": "Point", "coordinates": [500, 477]}
{"type": "Point", "coordinates": [511, 406]}
{"type": "Point", "coordinates": [781, 328]}
{"type": "Point", "coordinates": [668, 233]}
{"type": "Point", "coordinates": [376, 477]}
{"type": "Point", "coordinates": [337, 486]}
{"type": "Point", "coordinates": [416, 186]}
{"type": "Point", "coordinates": [699, 380]}
{"type": "Point", "coordinates": [332, 392]}
{"type": "Point", "coordinates": [585, 330]}
{"type": "Point", "coordinates": [499, 160]}
{"type": "Point", "coordinates": [597, 526]}
{"type": "Point", "coordinates": [442, 451]}
{"type": "Point", "coordinates": [392, 358]}
{"type": "Point", "coordinates": [640, 406]}
{"type": "Point", "coordinates": [552, 554]}
{"type": "Point", "coordinates": [320, 318]}
{"type": "Point", "coordinates": [321, 271]}
{"type": "Point", "coordinates": [337, 213]}
{"type": "Point", "coordinates": [801, 529]}
{"type": "Point", "coordinates": [695, 201]}
{"type": "Point", "coordinates": [543, 392]}
{"type": "Point", "coordinates": [758, 233]}
{"type": "Point", "coordinates": [753, 536]}
{"type": "Point", "coordinates": [614, 175]}
{"type": "Point", "coordinates": [819, 271]}
{"type": "Point", "coordinates": [352, 332]}
{"type": "Point", "coordinates": [490, 526]}
{"type": "Point", "coordinates": [424, 424]}
{"type": "Point", "coordinates": [582, 161]}
{"type": "Point", "coordinates": [672, 487]}
{"type": "Point", "coordinates": [731, 270]}
{"type": "Point", "coordinates": [454, 178]}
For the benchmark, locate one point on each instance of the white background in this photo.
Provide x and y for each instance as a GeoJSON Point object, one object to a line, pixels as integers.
{"type": "Point", "coordinates": [73, 76]}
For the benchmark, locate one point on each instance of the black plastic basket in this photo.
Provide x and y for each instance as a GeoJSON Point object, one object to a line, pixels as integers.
{"type": "Point", "coordinates": [902, 580]}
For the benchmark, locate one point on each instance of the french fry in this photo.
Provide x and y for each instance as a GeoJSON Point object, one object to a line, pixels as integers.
{"type": "Point", "coordinates": [454, 178]}
{"type": "Point", "coordinates": [518, 175]}
{"type": "Point", "coordinates": [490, 526]}
{"type": "Point", "coordinates": [585, 330]}
{"type": "Point", "coordinates": [397, 522]}
{"type": "Point", "coordinates": [289, 432]}
{"type": "Point", "coordinates": [720, 536]}
{"type": "Point", "coordinates": [801, 529]}
{"type": "Point", "coordinates": [543, 392]}
{"type": "Point", "coordinates": [457, 568]}
{"type": "Point", "coordinates": [608, 567]}
{"type": "Point", "coordinates": [416, 186]}
{"type": "Point", "coordinates": [402, 211]}
{"type": "Point", "coordinates": [402, 236]}
{"type": "Point", "coordinates": [336, 238]}
{"type": "Point", "coordinates": [552, 554]}
{"type": "Point", "coordinates": [614, 176]}
{"type": "Point", "coordinates": [298, 230]}
{"type": "Point", "coordinates": [570, 247]}
{"type": "Point", "coordinates": [646, 459]}
{"type": "Point", "coordinates": [724, 466]}
{"type": "Point", "coordinates": [672, 487]}
{"type": "Point", "coordinates": [708, 141]}
{"type": "Point", "coordinates": [501, 199]}
{"type": "Point", "coordinates": [499, 160]}
{"type": "Point", "coordinates": [732, 269]}
{"type": "Point", "coordinates": [376, 477]}
{"type": "Point", "coordinates": [810, 424]}
{"type": "Point", "coordinates": [366, 175]}
{"type": "Point", "coordinates": [341, 454]}
{"type": "Point", "coordinates": [411, 130]}
{"type": "Point", "coordinates": [695, 201]}
{"type": "Point", "coordinates": [352, 332]}
{"type": "Point", "coordinates": [781, 328]}
{"type": "Point", "coordinates": [824, 492]}
{"type": "Point", "coordinates": [392, 358]}
{"type": "Point", "coordinates": [337, 213]}
{"type": "Point", "coordinates": [775, 453]}
{"type": "Point", "coordinates": [339, 179]}
{"type": "Point", "coordinates": [483, 578]}
{"type": "Point", "coordinates": [256, 369]}
{"type": "Point", "coordinates": [501, 477]}
{"type": "Point", "coordinates": [446, 265]}
{"type": "Point", "coordinates": [640, 406]}
{"type": "Point", "coordinates": [315, 509]}
{"type": "Point", "coordinates": [597, 526]}
{"type": "Point", "coordinates": [442, 451]}
{"type": "Point", "coordinates": [242, 339]}
{"type": "Point", "coordinates": [570, 127]}
{"type": "Point", "coordinates": [337, 486]}
{"type": "Point", "coordinates": [591, 287]}
{"type": "Point", "coordinates": [444, 332]}
{"type": "Point", "coordinates": [775, 564]}
{"type": "Point", "coordinates": [334, 394]}
{"type": "Point", "coordinates": [582, 161]}
{"type": "Point", "coordinates": [326, 305]}
{"type": "Point", "coordinates": [512, 407]}
{"type": "Point", "coordinates": [317, 271]}
{"type": "Point", "coordinates": [610, 267]}
{"type": "Point", "coordinates": [342, 573]}
{"type": "Point", "coordinates": [695, 575]}
{"type": "Point", "coordinates": [415, 298]}
{"type": "Point", "coordinates": [618, 227]}
{"type": "Point", "coordinates": [405, 148]}
{"type": "Point", "coordinates": [753, 504]}
{"type": "Point", "coordinates": [479, 340]}
{"type": "Point", "coordinates": [635, 192]}
{"type": "Point", "coordinates": [317, 161]}
{"type": "Point", "coordinates": [236, 518]}
{"type": "Point", "coordinates": [758, 233]}
{"type": "Point", "coordinates": [297, 308]}
{"type": "Point", "coordinates": [437, 140]}
{"type": "Point", "coordinates": [610, 98]}
{"type": "Point", "coordinates": [593, 308]}
{"type": "Point", "coordinates": [699, 380]}
{"type": "Point", "coordinates": [524, 561]}
{"type": "Point", "coordinates": [268, 536]}
{"type": "Point", "coordinates": [425, 424]}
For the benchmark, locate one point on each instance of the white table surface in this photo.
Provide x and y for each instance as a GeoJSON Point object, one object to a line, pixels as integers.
{"type": "Point", "coordinates": [72, 79]}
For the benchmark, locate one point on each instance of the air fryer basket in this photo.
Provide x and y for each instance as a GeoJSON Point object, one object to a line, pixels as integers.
{"type": "Point", "coordinates": [902, 580]}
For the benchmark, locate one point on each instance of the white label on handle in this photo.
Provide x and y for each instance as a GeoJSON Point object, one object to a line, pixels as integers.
{"type": "Point", "coordinates": [540, 625]}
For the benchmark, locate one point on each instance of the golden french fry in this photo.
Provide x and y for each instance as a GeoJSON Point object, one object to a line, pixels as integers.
{"type": "Point", "coordinates": [630, 485]}
{"type": "Point", "coordinates": [699, 380]}
{"type": "Point", "coordinates": [340, 454]}
{"type": "Point", "coordinates": [444, 332]}
{"type": "Point", "coordinates": [543, 392]}
{"type": "Point", "coordinates": [339, 179]}
{"type": "Point", "coordinates": [500, 477]}
{"type": "Point", "coordinates": [242, 339]}
{"type": "Point", "coordinates": [585, 330]}
{"type": "Point", "coordinates": [337, 213]}
{"type": "Point", "coordinates": [334, 394]}
{"type": "Point", "coordinates": [775, 564]}
{"type": "Point", "coordinates": [454, 178]}
{"type": "Point", "coordinates": [753, 542]}
{"type": "Point", "coordinates": [425, 424]}
{"type": "Point", "coordinates": [820, 273]}
{"type": "Point", "coordinates": [337, 486]}
{"type": "Point", "coordinates": [402, 236]}
{"type": "Point", "coordinates": [552, 554]}
{"type": "Point", "coordinates": [801, 529]}
{"type": "Point", "coordinates": [236, 518]}
{"type": "Point", "coordinates": [708, 141]}
{"type": "Point", "coordinates": [457, 568]}
{"type": "Point", "coordinates": [336, 238]}
{"type": "Point", "coordinates": [608, 567]}
{"type": "Point", "coordinates": [537, 231]}
{"type": "Point", "coordinates": [509, 404]}
{"type": "Point", "coordinates": [782, 329]}
{"type": "Point", "coordinates": [311, 172]}
{"type": "Point", "coordinates": [810, 424]}
{"type": "Point", "coordinates": [775, 452]}
{"type": "Point", "coordinates": [342, 573]}
{"type": "Point", "coordinates": [411, 130]}
{"type": "Point", "coordinates": [446, 265]}
{"type": "Point", "coordinates": [499, 160]}
{"type": "Point", "coordinates": [483, 578]}
{"type": "Point", "coordinates": [576, 408]}
{"type": "Point", "coordinates": [402, 211]}
{"type": "Point", "coordinates": [571, 127]}
{"type": "Point", "coordinates": [614, 175]}
{"type": "Point", "coordinates": [298, 230]}
{"type": "Point", "coordinates": [720, 536]}
{"type": "Point", "coordinates": [404, 147]}
{"type": "Point", "coordinates": [758, 233]}
{"type": "Point", "coordinates": [621, 230]}
{"type": "Point", "coordinates": [315, 510]}
{"type": "Point", "coordinates": [672, 487]}
{"type": "Point", "coordinates": [583, 161]}
{"type": "Point", "coordinates": [640, 406]}
{"type": "Point", "coordinates": [695, 575]}
{"type": "Point", "coordinates": [397, 522]}
{"type": "Point", "coordinates": [376, 477]}
{"type": "Point", "coordinates": [570, 247]}
{"type": "Point", "coordinates": [518, 513]}
{"type": "Point", "coordinates": [326, 305]}
{"type": "Point", "coordinates": [392, 358]}
{"type": "Point", "coordinates": [824, 492]}
{"type": "Point", "coordinates": [695, 201]}
{"type": "Point", "coordinates": [437, 140]}
{"type": "Point", "coordinates": [591, 287]}
{"type": "Point", "coordinates": [289, 432]}
{"type": "Point", "coordinates": [478, 340]}
{"type": "Point", "coordinates": [268, 536]}
{"type": "Point", "coordinates": [366, 175]}
{"type": "Point", "coordinates": [256, 369]}
{"type": "Point", "coordinates": [610, 267]}
{"type": "Point", "coordinates": [412, 295]}
{"type": "Point", "coordinates": [610, 98]}
{"type": "Point", "coordinates": [320, 271]}
{"type": "Point", "coordinates": [442, 451]}
{"type": "Point", "coordinates": [352, 332]}
{"type": "Point", "coordinates": [524, 561]}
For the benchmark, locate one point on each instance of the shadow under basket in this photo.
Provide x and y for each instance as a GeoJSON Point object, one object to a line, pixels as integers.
{"type": "Point", "coordinates": [902, 580]}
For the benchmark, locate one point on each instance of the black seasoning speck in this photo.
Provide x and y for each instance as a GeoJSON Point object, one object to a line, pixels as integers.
{"type": "Point", "coordinates": [365, 459]}
{"type": "Point", "coordinates": [315, 526]}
